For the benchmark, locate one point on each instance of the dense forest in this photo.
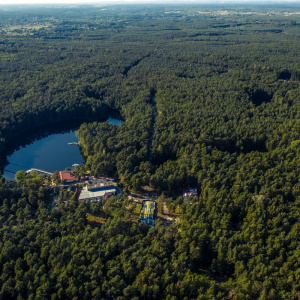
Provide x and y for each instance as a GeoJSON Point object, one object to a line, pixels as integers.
{"type": "Point", "coordinates": [210, 98]}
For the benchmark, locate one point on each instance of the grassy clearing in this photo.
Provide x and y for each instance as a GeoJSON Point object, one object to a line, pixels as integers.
{"type": "Point", "coordinates": [135, 211]}
{"type": "Point", "coordinates": [28, 27]}
{"type": "Point", "coordinates": [19, 30]}
{"type": "Point", "coordinates": [94, 219]}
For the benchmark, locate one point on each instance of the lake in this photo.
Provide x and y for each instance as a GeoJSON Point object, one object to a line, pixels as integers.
{"type": "Point", "coordinates": [46, 149]}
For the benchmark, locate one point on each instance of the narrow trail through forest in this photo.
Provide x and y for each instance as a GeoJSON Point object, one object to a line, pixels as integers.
{"type": "Point", "coordinates": [154, 114]}
{"type": "Point", "coordinates": [135, 63]}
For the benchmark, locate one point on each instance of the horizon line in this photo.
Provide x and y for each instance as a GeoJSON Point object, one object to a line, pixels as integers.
{"type": "Point", "coordinates": [154, 2]}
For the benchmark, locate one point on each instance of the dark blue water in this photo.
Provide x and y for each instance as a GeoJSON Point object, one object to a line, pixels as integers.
{"type": "Point", "coordinates": [114, 121]}
{"type": "Point", "coordinates": [48, 151]}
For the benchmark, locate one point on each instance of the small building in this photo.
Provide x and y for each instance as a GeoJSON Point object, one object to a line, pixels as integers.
{"type": "Point", "coordinates": [190, 192]}
{"type": "Point", "coordinates": [68, 176]}
{"type": "Point", "coordinates": [96, 194]}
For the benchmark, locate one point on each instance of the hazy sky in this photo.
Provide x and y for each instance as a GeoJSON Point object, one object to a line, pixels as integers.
{"type": "Point", "coordinates": [7, 2]}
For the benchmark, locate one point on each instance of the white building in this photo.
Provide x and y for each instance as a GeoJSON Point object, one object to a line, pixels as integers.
{"type": "Point", "coordinates": [96, 194]}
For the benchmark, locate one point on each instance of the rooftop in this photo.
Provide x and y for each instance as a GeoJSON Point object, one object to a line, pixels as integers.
{"type": "Point", "coordinates": [87, 194]}
{"type": "Point", "coordinates": [67, 175]}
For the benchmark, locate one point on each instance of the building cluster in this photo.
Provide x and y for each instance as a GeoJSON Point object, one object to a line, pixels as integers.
{"type": "Point", "coordinates": [96, 189]}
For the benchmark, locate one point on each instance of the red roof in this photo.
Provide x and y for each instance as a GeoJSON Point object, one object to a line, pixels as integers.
{"type": "Point", "coordinates": [66, 175]}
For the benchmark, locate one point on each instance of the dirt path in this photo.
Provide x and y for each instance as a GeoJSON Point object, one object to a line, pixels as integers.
{"type": "Point", "coordinates": [140, 199]}
{"type": "Point", "coordinates": [166, 213]}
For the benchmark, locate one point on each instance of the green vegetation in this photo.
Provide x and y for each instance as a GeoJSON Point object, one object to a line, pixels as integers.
{"type": "Point", "coordinates": [226, 86]}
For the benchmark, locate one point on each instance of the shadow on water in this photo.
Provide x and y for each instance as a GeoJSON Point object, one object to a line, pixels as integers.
{"type": "Point", "coordinates": [47, 144]}
{"type": "Point", "coordinates": [34, 135]}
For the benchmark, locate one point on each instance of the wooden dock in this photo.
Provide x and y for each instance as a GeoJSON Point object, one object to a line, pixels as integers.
{"type": "Point", "coordinates": [40, 171]}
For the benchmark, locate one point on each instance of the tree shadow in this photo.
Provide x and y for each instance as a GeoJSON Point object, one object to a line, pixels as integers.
{"type": "Point", "coordinates": [259, 97]}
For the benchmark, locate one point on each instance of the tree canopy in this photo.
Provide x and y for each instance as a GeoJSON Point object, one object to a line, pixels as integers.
{"type": "Point", "coordinates": [209, 98]}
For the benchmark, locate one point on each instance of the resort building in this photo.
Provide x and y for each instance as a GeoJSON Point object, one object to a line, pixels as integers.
{"type": "Point", "coordinates": [96, 194]}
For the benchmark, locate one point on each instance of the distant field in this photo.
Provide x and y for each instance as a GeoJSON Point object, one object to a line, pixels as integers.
{"type": "Point", "coordinates": [209, 98]}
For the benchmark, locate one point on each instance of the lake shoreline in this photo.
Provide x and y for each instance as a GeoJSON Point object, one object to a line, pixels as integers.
{"type": "Point", "coordinates": [29, 137]}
